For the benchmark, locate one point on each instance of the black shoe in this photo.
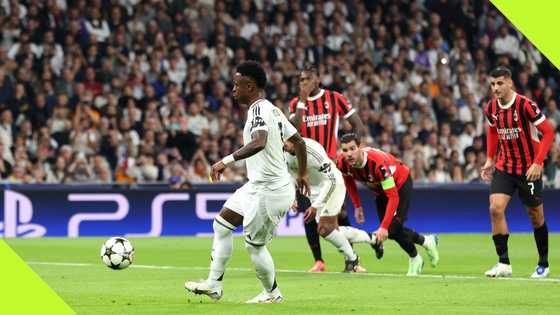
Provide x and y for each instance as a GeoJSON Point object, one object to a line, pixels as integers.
{"type": "Point", "coordinates": [351, 265]}
{"type": "Point", "coordinates": [378, 248]}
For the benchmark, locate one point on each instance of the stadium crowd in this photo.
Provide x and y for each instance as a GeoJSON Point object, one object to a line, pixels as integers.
{"type": "Point", "coordinates": [135, 91]}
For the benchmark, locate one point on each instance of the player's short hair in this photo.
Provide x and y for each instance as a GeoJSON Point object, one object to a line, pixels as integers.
{"type": "Point", "coordinates": [349, 137]}
{"type": "Point", "coordinates": [500, 71]}
{"type": "Point", "coordinates": [253, 70]}
{"type": "Point", "coordinates": [310, 67]}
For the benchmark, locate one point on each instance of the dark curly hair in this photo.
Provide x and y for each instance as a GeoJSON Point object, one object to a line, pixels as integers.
{"type": "Point", "coordinates": [253, 70]}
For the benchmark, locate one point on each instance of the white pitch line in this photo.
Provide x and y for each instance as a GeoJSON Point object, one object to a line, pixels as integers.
{"type": "Point", "coordinates": [371, 274]}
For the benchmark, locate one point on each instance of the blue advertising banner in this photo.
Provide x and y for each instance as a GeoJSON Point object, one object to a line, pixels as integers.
{"type": "Point", "coordinates": [73, 211]}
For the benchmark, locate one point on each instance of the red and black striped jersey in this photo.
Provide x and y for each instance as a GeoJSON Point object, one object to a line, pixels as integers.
{"type": "Point", "coordinates": [320, 120]}
{"type": "Point", "coordinates": [518, 141]}
{"type": "Point", "coordinates": [378, 166]}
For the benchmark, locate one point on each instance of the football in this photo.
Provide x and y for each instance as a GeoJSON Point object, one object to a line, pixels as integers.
{"type": "Point", "coordinates": [117, 253]}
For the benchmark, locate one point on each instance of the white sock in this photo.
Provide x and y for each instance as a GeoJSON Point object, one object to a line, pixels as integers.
{"type": "Point", "coordinates": [415, 257]}
{"type": "Point", "coordinates": [342, 244]}
{"type": "Point", "coordinates": [354, 235]}
{"type": "Point", "coordinates": [221, 248]}
{"type": "Point", "coordinates": [264, 265]}
{"type": "Point", "coordinates": [425, 244]}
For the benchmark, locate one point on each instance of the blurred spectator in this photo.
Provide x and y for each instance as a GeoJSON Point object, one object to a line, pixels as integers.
{"type": "Point", "coordinates": [200, 170]}
{"type": "Point", "coordinates": [133, 91]}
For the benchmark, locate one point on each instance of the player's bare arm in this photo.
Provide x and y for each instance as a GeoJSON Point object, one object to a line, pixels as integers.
{"type": "Point", "coordinates": [487, 170]}
{"type": "Point", "coordinates": [359, 215]}
{"type": "Point", "coordinates": [301, 154]}
{"type": "Point", "coordinates": [258, 142]}
{"type": "Point", "coordinates": [357, 124]}
{"type": "Point", "coordinates": [489, 166]}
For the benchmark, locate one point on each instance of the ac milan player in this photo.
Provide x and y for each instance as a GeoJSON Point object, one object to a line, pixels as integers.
{"type": "Point", "coordinates": [516, 152]}
{"type": "Point", "coordinates": [315, 113]}
{"type": "Point", "coordinates": [389, 178]}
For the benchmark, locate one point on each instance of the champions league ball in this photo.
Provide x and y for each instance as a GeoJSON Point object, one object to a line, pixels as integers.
{"type": "Point", "coordinates": [117, 253]}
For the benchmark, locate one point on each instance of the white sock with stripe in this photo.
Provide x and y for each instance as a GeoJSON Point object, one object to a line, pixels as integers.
{"type": "Point", "coordinates": [222, 247]}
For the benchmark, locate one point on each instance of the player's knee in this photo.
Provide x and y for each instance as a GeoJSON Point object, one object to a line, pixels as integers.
{"type": "Point", "coordinates": [535, 215]}
{"type": "Point", "coordinates": [395, 230]}
{"type": "Point", "coordinates": [252, 248]}
{"type": "Point", "coordinates": [497, 210]}
{"type": "Point", "coordinates": [222, 227]}
{"type": "Point", "coordinates": [324, 229]}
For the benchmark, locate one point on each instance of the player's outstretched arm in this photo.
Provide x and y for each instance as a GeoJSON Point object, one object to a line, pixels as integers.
{"type": "Point", "coordinates": [258, 142]}
{"type": "Point", "coordinates": [301, 155]}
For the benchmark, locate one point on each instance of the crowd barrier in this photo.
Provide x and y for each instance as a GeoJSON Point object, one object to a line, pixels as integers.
{"type": "Point", "coordinates": [156, 210]}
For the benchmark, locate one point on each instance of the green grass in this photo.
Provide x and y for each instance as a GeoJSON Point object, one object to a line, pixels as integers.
{"type": "Point", "coordinates": [92, 288]}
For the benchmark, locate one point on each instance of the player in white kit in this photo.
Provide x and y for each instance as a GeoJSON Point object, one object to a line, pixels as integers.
{"type": "Point", "coordinates": [327, 193]}
{"type": "Point", "coordinates": [263, 201]}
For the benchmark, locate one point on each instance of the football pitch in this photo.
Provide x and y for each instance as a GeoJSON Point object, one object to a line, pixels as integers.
{"type": "Point", "coordinates": [154, 283]}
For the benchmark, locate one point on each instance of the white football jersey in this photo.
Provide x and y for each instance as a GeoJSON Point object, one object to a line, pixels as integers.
{"type": "Point", "coordinates": [267, 169]}
{"type": "Point", "coordinates": [322, 172]}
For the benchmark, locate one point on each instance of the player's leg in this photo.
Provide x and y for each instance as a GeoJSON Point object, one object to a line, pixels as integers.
{"type": "Point", "coordinates": [530, 194]}
{"type": "Point", "coordinates": [501, 188]}
{"type": "Point", "coordinates": [396, 233]}
{"type": "Point", "coordinates": [222, 246]}
{"type": "Point", "coordinates": [311, 234]}
{"type": "Point", "coordinates": [355, 235]}
{"type": "Point", "coordinates": [328, 215]}
{"type": "Point", "coordinates": [429, 242]}
{"type": "Point", "coordinates": [229, 218]}
{"type": "Point", "coordinates": [403, 236]}
{"type": "Point", "coordinates": [342, 217]}
{"type": "Point", "coordinates": [259, 227]}
{"type": "Point", "coordinates": [328, 230]}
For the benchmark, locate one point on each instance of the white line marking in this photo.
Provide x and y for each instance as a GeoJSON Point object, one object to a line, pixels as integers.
{"type": "Point", "coordinates": [371, 274]}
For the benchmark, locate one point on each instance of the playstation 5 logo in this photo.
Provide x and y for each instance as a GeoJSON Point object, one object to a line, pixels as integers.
{"type": "Point", "coordinates": [18, 212]}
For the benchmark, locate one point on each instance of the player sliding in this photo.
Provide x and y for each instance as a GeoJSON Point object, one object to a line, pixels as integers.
{"type": "Point", "coordinates": [513, 122]}
{"type": "Point", "coordinates": [389, 178]}
{"type": "Point", "coordinates": [327, 193]}
{"type": "Point", "coordinates": [263, 201]}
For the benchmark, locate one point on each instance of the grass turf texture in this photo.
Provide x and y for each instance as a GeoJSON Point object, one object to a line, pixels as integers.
{"type": "Point", "coordinates": [154, 285]}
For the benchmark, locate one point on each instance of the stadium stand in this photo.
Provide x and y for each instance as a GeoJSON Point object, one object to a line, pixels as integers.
{"type": "Point", "coordinates": [132, 91]}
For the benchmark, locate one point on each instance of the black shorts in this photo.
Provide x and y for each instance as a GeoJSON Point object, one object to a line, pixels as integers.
{"type": "Point", "coordinates": [530, 193]}
{"type": "Point", "coordinates": [405, 195]}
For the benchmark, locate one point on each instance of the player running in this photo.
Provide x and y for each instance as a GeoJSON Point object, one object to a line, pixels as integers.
{"type": "Point", "coordinates": [263, 201]}
{"type": "Point", "coordinates": [512, 139]}
{"type": "Point", "coordinates": [389, 178]}
{"type": "Point", "coordinates": [327, 193]}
